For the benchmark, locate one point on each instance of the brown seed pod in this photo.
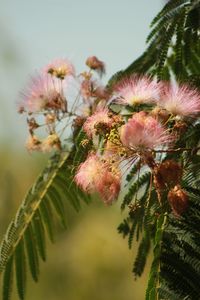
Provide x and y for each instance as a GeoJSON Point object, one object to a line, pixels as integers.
{"type": "Point", "coordinates": [167, 174]}
{"type": "Point", "coordinates": [178, 200]}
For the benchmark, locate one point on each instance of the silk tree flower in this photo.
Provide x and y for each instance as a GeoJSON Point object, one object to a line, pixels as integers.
{"type": "Point", "coordinates": [95, 175]}
{"type": "Point", "coordinates": [88, 172]}
{"type": "Point", "coordinates": [43, 92]}
{"type": "Point", "coordinates": [137, 90]}
{"type": "Point", "coordinates": [143, 132]}
{"type": "Point", "coordinates": [108, 186]}
{"type": "Point", "coordinates": [99, 119]}
{"type": "Point", "coordinates": [180, 100]}
{"type": "Point", "coordinates": [60, 68]}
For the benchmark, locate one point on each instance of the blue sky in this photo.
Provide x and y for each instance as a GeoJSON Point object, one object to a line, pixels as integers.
{"type": "Point", "coordinates": [35, 32]}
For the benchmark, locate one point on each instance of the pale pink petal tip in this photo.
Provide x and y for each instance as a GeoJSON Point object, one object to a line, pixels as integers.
{"type": "Point", "coordinates": [42, 93]}
{"type": "Point", "coordinates": [60, 68]}
{"type": "Point", "coordinates": [180, 100]}
{"type": "Point", "coordinates": [144, 132]}
{"type": "Point", "coordinates": [94, 175]}
{"type": "Point", "coordinates": [137, 90]}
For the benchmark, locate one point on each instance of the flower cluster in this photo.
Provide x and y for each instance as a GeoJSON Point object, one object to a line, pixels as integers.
{"type": "Point", "coordinates": [45, 101]}
{"type": "Point", "coordinates": [148, 123]}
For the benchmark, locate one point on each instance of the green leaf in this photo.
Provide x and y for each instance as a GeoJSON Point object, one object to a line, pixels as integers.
{"type": "Point", "coordinates": [39, 235]}
{"type": "Point", "coordinates": [35, 217]}
{"type": "Point", "coordinates": [151, 292]}
{"type": "Point", "coordinates": [32, 254]}
{"type": "Point", "coordinates": [8, 280]}
{"type": "Point", "coordinates": [20, 267]}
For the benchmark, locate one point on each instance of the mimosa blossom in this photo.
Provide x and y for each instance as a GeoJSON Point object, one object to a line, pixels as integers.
{"type": "Point", "coordinates": [143, 132]}
{"type": "Point", "coordinates": [60, 68]}
{"type": "Point", "coordinates": [95, 175]}
{"type": "Point", "coordinates": [88, 172]}
{"type": "Point", "coordinates": [99, 117]}
{"type": "Point", "coordinates": [108, 186]}
{"type": "Point", "coordinates": [42, 93]}
{"type": "Point", "coordinates": [180, 100]}
{"type": "Point", "coordinates": [137, 90]}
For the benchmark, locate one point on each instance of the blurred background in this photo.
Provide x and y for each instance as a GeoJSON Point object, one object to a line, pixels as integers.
{"type": "Point", "coordinates": [89, 260]}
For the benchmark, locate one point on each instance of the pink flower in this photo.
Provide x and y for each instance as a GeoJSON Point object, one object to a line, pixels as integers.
{"type": "Point", "coordinates": [60, 68]}
{"type": "Point", "coordinates": [180, 100]}
{"type": "Point", "coordinates": [43, 92]}
{"type": "Point", "coordinates": [137, 90]}
{"type": "Point", "coordinates": [108, 186]}
{"type": "Point", "coordinates": [95, 175]}
{"type": "Point", "coordinates": [100, 117]}
{"type": "Point", "coordinates": [143, 132]}
{"type": "Point", "coordinates": [87, 173]}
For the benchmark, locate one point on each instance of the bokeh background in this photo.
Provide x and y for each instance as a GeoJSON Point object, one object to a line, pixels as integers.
{"type": "Point", "coordinates": [89, 260]}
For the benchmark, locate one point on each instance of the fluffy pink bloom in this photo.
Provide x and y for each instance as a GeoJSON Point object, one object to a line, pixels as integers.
{"type": "Point", "coordinates": [60, 68]}
{"type": "Point", "coordinates": [88, 172]}
{"type": "Point", "coordinates": [143, 132]}
{"type": "Point", "coordinates": [180, 100]}
{"type": "Point", "coordinates": [137, 90]}
{"type": "Point", "coordinates": [42, 93]}
{"type": "Point", "coordinates": [95, 175]}
{"type": "Point", "coordinates": [108, 186]}
{"type": "Point", "coordinates": [99, 117]}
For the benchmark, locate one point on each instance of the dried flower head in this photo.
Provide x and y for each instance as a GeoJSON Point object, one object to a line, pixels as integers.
{"type": "Point", "coordinates": [161, 114]}
{"type": "Point", "coordinates": [51, 142]}
{"type": "Point", "coordinates": [32, 125]}
{"type": "Point", "coordinates": [143, 132]}
{"type": "Point", "coordinates": [43, 93]}
{"type": "Point", "coordinates": [99, 118]}
{"type": "Point", "coordinates": [178, 200]}
{"type": "Point", "coordinates": [91, 89]}
{"type": "Point", "coordinates": [180, 100]}
{"type": "Point", "coordinates": [137, 90]}
{"type": "Point", "coordinates": [50, 118]}
{"type": "Point", "coordinates": [60, 68]}
{"type": "Point", "coordinates": [33, 143]}
{"type": "Point", "coordinates": [95, 64]}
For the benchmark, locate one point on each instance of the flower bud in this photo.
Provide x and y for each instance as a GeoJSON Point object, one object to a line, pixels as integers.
{"type": "Point", "coordinates": [95, 64]}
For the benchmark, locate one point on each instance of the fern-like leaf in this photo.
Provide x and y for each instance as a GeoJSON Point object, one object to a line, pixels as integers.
{"type": "Point", "coordinates": [35, 219]}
